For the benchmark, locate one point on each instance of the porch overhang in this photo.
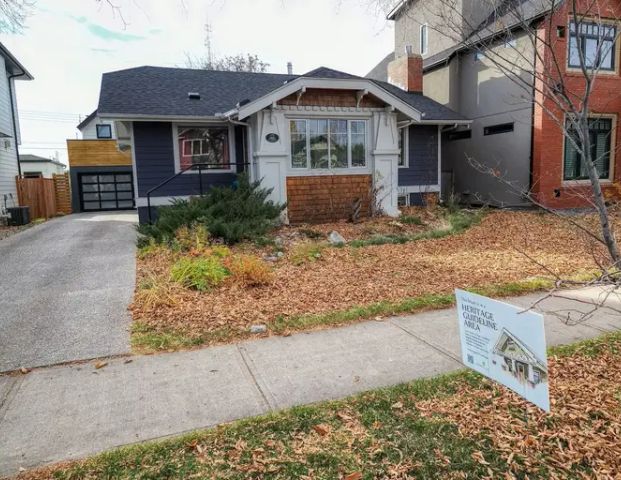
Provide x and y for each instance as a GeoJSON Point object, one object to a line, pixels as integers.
{"type": "Point", "coordinates": [301, 83]}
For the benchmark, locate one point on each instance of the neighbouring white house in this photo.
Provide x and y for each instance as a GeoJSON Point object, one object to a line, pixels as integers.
{"type": "Point", "coordinates": [9, 127]}
{"type": "Point", "coordinates": [34, 166]}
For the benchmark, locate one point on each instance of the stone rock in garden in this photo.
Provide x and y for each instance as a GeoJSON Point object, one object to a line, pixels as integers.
{"type": "Point", "coordinates": [258, 329]}
{"type": "Point", "coordinates": [335, 238]}
{"type": "Point", "coordinates": [271, 258]}
{"type": "Point", "coordinates": [280, 254]}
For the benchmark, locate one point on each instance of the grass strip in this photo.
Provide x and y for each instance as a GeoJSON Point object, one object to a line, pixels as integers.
{"type": "Point", "coordinates": [147, 340]}
{"type": "Point", "coordinates": [377, 434]}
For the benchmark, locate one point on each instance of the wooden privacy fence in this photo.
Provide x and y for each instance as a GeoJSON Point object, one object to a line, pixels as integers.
{"type": "Point", "coordinates": [46, 197]}
{"type": "Point", "coordinates": [62, 187]}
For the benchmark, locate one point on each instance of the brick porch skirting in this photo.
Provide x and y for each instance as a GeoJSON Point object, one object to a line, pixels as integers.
{"type": "Point", "coordinates": [327, 198]}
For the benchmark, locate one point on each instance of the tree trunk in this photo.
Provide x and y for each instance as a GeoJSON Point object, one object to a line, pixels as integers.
{"type": "Point", "coordinates": [598, 194]}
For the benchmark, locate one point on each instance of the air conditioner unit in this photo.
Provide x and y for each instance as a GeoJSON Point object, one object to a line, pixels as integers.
{"type": "Point", "coordinates": [18, 216]}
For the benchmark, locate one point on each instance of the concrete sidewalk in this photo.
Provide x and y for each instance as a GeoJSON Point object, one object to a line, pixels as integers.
{"type": "Point", "coordinates": [68, 412]}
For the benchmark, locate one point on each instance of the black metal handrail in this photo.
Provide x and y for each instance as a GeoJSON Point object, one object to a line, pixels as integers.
{"type": "Point", "coordinates": [195, 166]}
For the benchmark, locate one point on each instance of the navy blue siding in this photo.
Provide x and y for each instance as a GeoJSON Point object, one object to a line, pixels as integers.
{"type": "Point", "coordinates": [423, 157]}
{"type": "Point", "coordinates": [153, 144]}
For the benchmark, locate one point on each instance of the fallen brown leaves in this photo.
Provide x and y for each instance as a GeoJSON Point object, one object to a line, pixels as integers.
{"type": "Point", "coordinates": [581, 438]}
{"type": "Point", "coordinates": [342, 278]}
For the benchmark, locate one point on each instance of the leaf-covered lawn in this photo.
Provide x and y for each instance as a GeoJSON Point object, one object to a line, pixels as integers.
{"type": "Point", "coordinates": [451, 427]}
{"type": "Point", "coordinates": [505, 248]}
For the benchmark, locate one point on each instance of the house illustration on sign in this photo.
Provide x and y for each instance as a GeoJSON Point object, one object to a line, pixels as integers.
{"type": "Point", "coordinates": [518, 360]}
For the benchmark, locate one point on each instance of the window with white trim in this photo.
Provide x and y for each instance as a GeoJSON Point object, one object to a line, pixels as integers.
{"type": "Point", "coordinates": [403, 147]}
{"type": "Point", "coordinates": [204, 145]}
{"type": "Point", "coordinates": [596, 42]}
{"type": "Point", "coordinates": [328, 143]}
{"type": "Point", "coordinates": [424, 39]}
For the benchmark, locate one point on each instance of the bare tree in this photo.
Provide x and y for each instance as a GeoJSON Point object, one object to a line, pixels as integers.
{"type": "Point", "coordinates": [13, 14]}
{"type": "Point", "coordinates": [229, 63]}
{"type": "Point", "coordinates": [520, 39]}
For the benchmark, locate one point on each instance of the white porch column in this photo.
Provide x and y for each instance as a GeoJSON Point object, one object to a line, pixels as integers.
{"type": "Point", "coordinates": [270, 153]}
{"type": "Point", "coordinates": [385, 165]}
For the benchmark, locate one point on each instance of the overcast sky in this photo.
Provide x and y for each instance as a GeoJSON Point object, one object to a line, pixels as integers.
{"type": "Point", "coordinates": [68, 44]}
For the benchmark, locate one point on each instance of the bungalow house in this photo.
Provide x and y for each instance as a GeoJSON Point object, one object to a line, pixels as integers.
{"type": "Point", "coordinates": [35, 166]}
{"type": "Point", "coordinates": [512, 131]}
{"type": "Point", "coordinates": [11, 71]}
{"type": "Point", "coordinates": [518, 360]}
{"type": "Point", "coordinates": [325, 142]}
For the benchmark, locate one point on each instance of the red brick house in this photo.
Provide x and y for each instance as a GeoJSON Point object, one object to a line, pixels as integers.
{"type": "Point", "coordinates": [516, 129]}
{"type": "Point", "coordinates": [560, 184]}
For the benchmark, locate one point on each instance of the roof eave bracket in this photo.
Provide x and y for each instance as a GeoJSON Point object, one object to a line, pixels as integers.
{"type": "Point", "coordinates": [301, 92]}
{"type": "Point", "coordinates": [360, 94]}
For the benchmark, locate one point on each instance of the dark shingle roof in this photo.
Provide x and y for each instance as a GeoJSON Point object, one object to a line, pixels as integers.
{"type": "Point", "coordinates": [324, 72]}
{"type": "Point", "coordinates": [158, 91]}
{"type": "Point", "coordinates": [430, 109]}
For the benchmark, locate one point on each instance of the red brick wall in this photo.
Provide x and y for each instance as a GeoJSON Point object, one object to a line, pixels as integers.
{"type": "Point", "coordinates": [331, 98]}
{"type": "Point", "coordinates": [327, 198]}
{"type": "Point", "coordinates": [548, 139]}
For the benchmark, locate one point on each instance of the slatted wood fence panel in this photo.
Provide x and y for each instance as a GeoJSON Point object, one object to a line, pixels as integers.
{"type": "Point", "coordinates": [63, 193]}
{"type": "Point", "coordinates": [89, 153]}
{"type": "Point", "coordinates": [38, 194]}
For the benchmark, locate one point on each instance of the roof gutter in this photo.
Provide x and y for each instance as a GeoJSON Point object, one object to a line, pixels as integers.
{"type": "Point", "coordinates": [13, 115]}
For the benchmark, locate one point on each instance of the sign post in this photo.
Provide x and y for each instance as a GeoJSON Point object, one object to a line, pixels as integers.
{"type": "Point", "coordinates": [506, 344]}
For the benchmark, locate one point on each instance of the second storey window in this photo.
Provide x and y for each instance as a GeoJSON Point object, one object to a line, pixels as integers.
{"type": "Point", "coordinates": [205, 145]}
{"type": "Point", "coordinates": [104, 130]}
{"type": "Point", "coordinates": [328, 143]}
{"type": "Point", "coordinates": [600, 132]}
{"type": "Point", "coordinates": [424, 39]}
{"type": "Point", "coordinates": [596, 43]}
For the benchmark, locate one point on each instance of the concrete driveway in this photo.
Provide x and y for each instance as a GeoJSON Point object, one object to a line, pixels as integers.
{"type": "Point", "coordinates": [65, 287]}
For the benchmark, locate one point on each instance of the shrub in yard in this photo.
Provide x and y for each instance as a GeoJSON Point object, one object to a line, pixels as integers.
{"type": "Point", "coordinates": [233, 214]}
{"type": "Point", "coordinates": [201, 273]}
{"type": "Point", "coordinates": [250, 271]}
{"type": "Point", "coordinates": [306, 252]}
{"type": "Point", "coordinates": [194, 237]}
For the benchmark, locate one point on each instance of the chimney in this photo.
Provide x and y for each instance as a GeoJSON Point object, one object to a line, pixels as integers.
{"type": "Point", "coordinates": [406, 72]}
{"type": "Point", "coordinates": [289, 68]}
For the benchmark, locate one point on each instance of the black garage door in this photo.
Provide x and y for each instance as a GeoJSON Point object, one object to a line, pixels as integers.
{"type": "Point", "coordinates": [106, 191]}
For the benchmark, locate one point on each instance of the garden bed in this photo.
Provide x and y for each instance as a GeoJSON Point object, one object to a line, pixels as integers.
{"type": "Point", "coordinates": [313, 284]}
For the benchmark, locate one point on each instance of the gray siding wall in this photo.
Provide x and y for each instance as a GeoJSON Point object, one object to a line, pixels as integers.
{"type": "Point", "coordinates": [153, 144]}
{"type": "Point", "coordinates": [423, 157]}
{"type": "Point", "coordinates": [8, 156]}
{"type": "Point", "coordinates": [489, 98]}
{"type": "Point", "coordinates": [448, 23]}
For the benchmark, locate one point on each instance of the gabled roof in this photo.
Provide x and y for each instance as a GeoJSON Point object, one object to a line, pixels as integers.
{"type": "Point", "coordinates": [87, 120]}
{"type": "Point", "coordinates": [148, 92]}
{"type": "Point", "coordinates": [13, 66]}
{"type": "Point", "coordinates": [28, 158]}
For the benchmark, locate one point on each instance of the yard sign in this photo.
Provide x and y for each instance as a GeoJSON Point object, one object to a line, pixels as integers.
{"type": "Point", "coordinates": [506, 344]}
